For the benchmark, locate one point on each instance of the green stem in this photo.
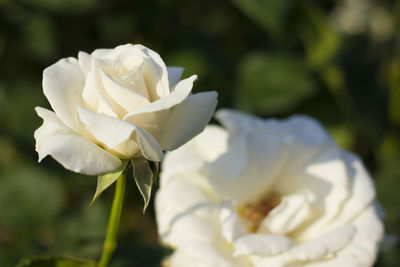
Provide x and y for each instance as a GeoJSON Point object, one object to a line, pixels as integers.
{"type": "Point", "coordinates": [112, 230]}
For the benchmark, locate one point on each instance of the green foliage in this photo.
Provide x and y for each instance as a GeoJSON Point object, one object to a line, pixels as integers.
{"type": "Point", "coordinates": [269, 14]}
{"type": "Point", "coordinates": [270, 83]}
{"type": "Point", "coordinates": [32, 207]}
{"type": "Point", "coordinates": [319, 37]}
{"type": "Point", "coordinates": [194, 60]}
{"type": "Point", "coordinates": [71, 6]}
{"type": "Point", "coordinates": [394, 91]}
{"type": "Point", "coordinates": [57, 262]}
{"type": "Point", "coordinates": [40, 43]}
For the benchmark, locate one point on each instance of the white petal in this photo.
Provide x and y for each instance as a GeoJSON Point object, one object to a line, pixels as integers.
{"type": "Point", "coordinates": [188, 119]}
{"type": "Point", "coordinates": [235, 120]}
{"type": "Point", "coordinates": [211, 142]}
{"type": "Point", "coordinates": [111, 132]}
{"type": "Point", "coordinates": [174, 75]}
{"type": "Point", "coordinates": [256, 150]}
{"type": "Point", "coordinates": [279, 260]}
{"type": "Point", "coordinates": [212, 255]}
{"type": "Point", "coordinates": [308, 130]}
{"type": "Point", "coordinates": [154, 122]}
{"type": "Point", "coordinates": [329, 166]}
{"type": "Point", "coordinates": [94, 96]}
{"type": "Point", "coordinates": [128, 99]}
{"type": "Point", "coordinates": [85, 62]}
{"type": "Point", "coordinates": [369, 225]}
{"type": "Point", "coordinates": [361, 187]}
{"type": "Point", "coordinates": [363, 248]}
{"type": "Point", "coordinates": [121, 51]}
{"type": "Point", "coordinates": [338, 238]}
{"type": "Point", "coordinates": [107, 130]}
{"type": "Point", "coordinates": [102, 53]}
{"type": "Point", "coordinates": [178, 199]}
{"type": "Point", "coordinates": [133, 78]}
{"type": "Point", "coordinates": [328, 169]}
{"type": "Point", "coordinates": [287, 216]}
{"type": "Point", "coordinates": [181, 195]}
{"type": "Point", "coordinates": [79, 155]}
{"type": "Point", "coordinates": [323, 250]}
{"type": "Point", "coordinates": [177, 96]}
{"type": "Point", "coordinates": [328, 243]}
{"type": "Point", "coordinates": [231, 225]}
{"type": "Point", "coordinates": [262, 245]}
{"type": "Point", "coordinates": [62, 85]}
{"type": "Point", "coordinates": [188, 227]}
{"type": "Point", "coordinates": [180, 259]}
{"type": "Point", "coordinates": [51, 124]}
{"type": "Point", "coordinates": [205, 147]}
{"type": "Point", "coordinates": [155, 73]}
{"type": "Point", "coordinates": [154, 70]}
{"type": "Point", "coordinates": [71, 150]}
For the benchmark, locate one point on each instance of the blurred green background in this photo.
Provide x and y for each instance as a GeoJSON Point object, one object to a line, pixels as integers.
{"type": "Point", "coordinates": [338, 61]}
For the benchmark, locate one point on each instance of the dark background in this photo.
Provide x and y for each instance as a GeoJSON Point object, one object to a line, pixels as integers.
{"type": "Point", "coordinates": [338, 61]}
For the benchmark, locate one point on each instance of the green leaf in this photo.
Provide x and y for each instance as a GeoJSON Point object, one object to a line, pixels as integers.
{"type": "Point", "coordinates": [272, 82]}
{"type": "Point", "coordinates": [320, 39]}
{"type": "Point", "coordinates": [40, 44]}
{"type": "Point", "coordinates": [269, 14]}
{"type": "Point", "coordinates": [144, 179]}
{"type": "Point", "coordinates": [29, 197]}
{"type": "Point", "coordinates": [394, 85]}
{"type": "Point", "coordinates": [104, 181]}
{"type": "Point", "coordinates": [343, 135]}
{"type": "Point", "coordinates": [64, 7]}
{"type": "Point", "coordinates": [57, 262]}
{"type": "Point", "coordinates": [193, 60]}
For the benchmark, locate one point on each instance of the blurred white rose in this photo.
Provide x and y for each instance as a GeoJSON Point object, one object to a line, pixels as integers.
{"type": "Point", "coordinates": [267, 193]}
{"type": "Point", "coordinates": [115, 104]}
{"type": "Point", "coordinates": [363, 16]}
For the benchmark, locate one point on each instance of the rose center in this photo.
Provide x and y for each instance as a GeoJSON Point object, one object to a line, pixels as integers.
{"type": "Point", "coordinates": [252, 214]}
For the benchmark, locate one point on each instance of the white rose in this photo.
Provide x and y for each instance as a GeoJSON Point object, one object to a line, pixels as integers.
{"type": "Point", "coordinates": [267, 193]}
{"type": "Point", "coordinates": [114, 104]}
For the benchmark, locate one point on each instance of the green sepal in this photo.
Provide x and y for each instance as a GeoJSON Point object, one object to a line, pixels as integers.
{"type": "Point", "coordinates": [104, 181]}
{"type": "Point", "coordinates": [144, 175]}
